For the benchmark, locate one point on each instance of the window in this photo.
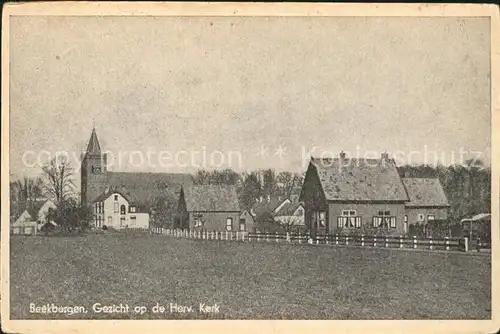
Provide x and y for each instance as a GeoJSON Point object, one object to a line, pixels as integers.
{"type": "Point", "coordinates": [198, 222]}
{"type": "Point", "coordinates": [420, 217]}
{"type": "Point", "coordinates": [384, 222]}
{"type": "Point", "coordinates": [117, 207]}
{"type": "Point", "coordinates": [348, 212]}
{"type": "Point", "coordinates": [132, 209]}
{"type": "Point", "coordinates": [384, 213]}
{"type": "Point", "coordinates": [123, 209]}
{"type": "Point", "coordinates": [116, 197]}
{"type": "Point", "coordinates": [322, 217]}
{"type": "Point", "coordinates": [431, 217]}
{"type": "Point", "coordinates": [122, 221]}
{"type": "Point", "coordinates": [348, 219]}
{"type": "Point", "coordinates": [229, 224]}
{"type": "Point", "coordinates": [349, 222]}
{"type": "Point", "coordinates": [242, 224]}
{"type": "Point", "coordinates": [110, 220]}
{"type": "Point", "coordinates": [132, 220]}
{"type": "Point", "coordinates": [96, 208]}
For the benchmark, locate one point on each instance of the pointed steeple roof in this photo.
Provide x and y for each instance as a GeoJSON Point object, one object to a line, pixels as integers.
{"type": "Point", "coordinates": [93, 147]}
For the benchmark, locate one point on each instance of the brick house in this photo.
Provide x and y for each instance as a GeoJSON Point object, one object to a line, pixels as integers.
{"type": "Point", "coordinates": [210, 208]}
{"type": "Point", "coordinates": [427, 203]}
{"type": "Point", "coordinates": [351, 195]}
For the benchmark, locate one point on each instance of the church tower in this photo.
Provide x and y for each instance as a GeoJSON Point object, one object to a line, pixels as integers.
{"type": "Point", "coordinates": [94, 171]}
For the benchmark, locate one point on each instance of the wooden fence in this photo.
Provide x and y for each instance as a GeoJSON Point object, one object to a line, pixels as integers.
{"type": "Point", "coordinates": [445, 244]}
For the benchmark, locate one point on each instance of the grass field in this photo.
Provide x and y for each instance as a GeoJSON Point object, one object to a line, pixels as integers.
{"type": "Point", "coordinates": [246, 280]}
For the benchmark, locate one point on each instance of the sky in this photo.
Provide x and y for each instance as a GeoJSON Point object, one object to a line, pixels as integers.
{"type": "Point", "coordinates": [248, 92]}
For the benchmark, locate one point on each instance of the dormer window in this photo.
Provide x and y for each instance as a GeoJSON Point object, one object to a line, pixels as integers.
{"type": "Point", "coordinates": [132, 209]}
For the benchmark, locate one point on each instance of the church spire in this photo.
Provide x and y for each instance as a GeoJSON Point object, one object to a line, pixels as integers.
{"type": "Point", "coordinates": [93, 147]}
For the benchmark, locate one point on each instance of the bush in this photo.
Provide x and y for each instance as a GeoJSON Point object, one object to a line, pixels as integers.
{"type": "Point", "coordinates": [104, 227]}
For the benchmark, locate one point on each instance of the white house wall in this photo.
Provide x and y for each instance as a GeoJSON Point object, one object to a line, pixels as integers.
{"type": "Point", "coordinates": [113, 219]}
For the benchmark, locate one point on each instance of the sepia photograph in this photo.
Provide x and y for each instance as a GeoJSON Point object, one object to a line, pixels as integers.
{"type": "Point", "coordinates": [259, 162]}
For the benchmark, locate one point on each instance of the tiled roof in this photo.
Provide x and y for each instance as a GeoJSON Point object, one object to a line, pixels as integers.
{"type": "Point", "coordinates": [352, 179]}
{"type": "Point", "coordinates": [143, 188]}
{"type": "Point", "coordinates": [211, 198]}
{"type": "Point", "coordinates": [425, 192]}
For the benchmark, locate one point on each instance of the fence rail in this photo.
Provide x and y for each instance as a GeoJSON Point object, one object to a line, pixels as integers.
{"type": "Point", "coordinates": [446, 244]}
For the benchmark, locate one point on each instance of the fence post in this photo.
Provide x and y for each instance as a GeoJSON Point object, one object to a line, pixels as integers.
{"type": "Point", "coordinates": [414, 241]}
{"type": "Point", "coordinates": [276, 236]}
{"type": "Point", "coordinates": [386, 242]}
{"type": "Point", "coordinates": [288, 237]}
{"type": "Point", "coordinates": [430, 242]}
{"type": "Point", "coordinates": [237, 235]}
{"type": "Point", "coordinates": [447, 243]}
{"type": "Point", "coordinates": [336, 239]}
{"type": "Point", "coordinates": [466, 240]}
{"type": "Point", "coordinates": [258, 237]}
{"type": "Point", "coordinates": [300, 238]}
{"type": "Point", "coordinates": [327, 239]}
{"type": "Point", "coordinates": [267, 236]}
{"type": "Point", "coordinates": [375, 241]}
{"type": "Point", "coordinates": [346, 240]}
{"type": "Point", "coordinates": [400, 241]}
{"type": "Point", "coordinates": [317, 240]}
{"type": "Point", "coordinates": [362, 240]}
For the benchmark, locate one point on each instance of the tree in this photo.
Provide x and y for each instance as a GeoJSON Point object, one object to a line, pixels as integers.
{"type": "Point", "coordinates": [287, 181]}
{"type": "Point", "coordinates": [251, 190]}
{"type": "Point", "coordinates": [265, 222]}
{"type": "Point", "coordinates": [70, 216]}
{"type": "Point", "coordinates": [164, 211]}
{"type": "Point", "coordinates": [23, 193]}
{"type": "Point", "coordinates": [58, 181]}
{"type": "Point", "coordinates": [288, 223]}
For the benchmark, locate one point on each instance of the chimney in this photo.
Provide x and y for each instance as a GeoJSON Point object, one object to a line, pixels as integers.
{"type": "Point", "coordinates": [342, 155]}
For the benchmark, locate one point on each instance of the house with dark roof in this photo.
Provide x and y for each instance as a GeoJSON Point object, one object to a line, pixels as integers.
{"type": "Point", "coordinates": [350, 194]}
{"type": "Point", "coordinates": [137, 191]}
{"type": "Point", "coordinates": [210, 208]}
{"type": "Point", "coordinates": [33, 218]}
{"type": "Point", "coordinates": [427, 202]}
{"type": "Point", "coordinates": [287, 211]}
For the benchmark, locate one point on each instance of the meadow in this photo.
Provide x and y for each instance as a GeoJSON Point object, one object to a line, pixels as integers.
{"type": "Point", "coordinates": [245, 280]}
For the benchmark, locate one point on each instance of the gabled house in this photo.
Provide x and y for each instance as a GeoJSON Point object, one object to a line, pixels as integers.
{"type": "Point", "coordinates": [285, 211]}
{"type": "Point", "coordinates": [427, 203]}
{"type": "Point", "coordinates": [248, 219]}
{"type": "Point", "coordinates": [33, 218]}
{"type": "Point", "coordinates": [350, 194]}
{"type": "Point", "coordinates": [119, 209]}
{"type": "Point", "coordinates": [210, 208]}
{"type": "Point", "coordinates": [290, 214]}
